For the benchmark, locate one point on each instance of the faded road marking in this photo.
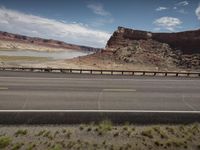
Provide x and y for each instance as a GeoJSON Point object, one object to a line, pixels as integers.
{"type": "Point", "coordinates": [119, 90]}
{"type": "Point", "coordinates": [3, 88]}
{"type": "Point", "coordinates": [187, 104]}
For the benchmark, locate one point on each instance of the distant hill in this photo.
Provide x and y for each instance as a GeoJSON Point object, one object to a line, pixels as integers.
{"type": "Point", "coordinates": [16, 41]}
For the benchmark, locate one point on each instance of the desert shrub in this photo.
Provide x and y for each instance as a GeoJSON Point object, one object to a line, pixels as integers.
{"type": "Point", "coordinates": [17, 146]}
{"type": "Point", "coordinates": [21, 132]}
{"type": "Point", "coordinates": [147, 133]}
{"type": "Point", "coordinates": [105, 125]}
{"type": "Point", "coordinates": [4, 141]}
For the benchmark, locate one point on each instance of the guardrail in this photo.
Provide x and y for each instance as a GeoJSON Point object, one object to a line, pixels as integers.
{"type": "Point", "coordinates": [105, 72]}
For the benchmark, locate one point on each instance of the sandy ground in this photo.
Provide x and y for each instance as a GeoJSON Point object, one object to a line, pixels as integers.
{"type": "Point", "coordinates": [85, 62]}
{"type": "Point", "coordinates": [101, 136]}
{"type": "Point", "coordinates": [93, 61]}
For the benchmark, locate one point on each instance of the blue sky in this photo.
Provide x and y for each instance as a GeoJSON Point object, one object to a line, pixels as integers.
{"type": "Point", "coordinates": [91, 22]}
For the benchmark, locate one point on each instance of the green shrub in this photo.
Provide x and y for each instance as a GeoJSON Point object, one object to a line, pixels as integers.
{"type": "Point", "coordinates": [81, 127]}
{"type": "Point", "coordinates": [147, 133]}
{"type": "Point", "coordinates": [105, 125]}
{"type": "Point", "coordinates": [17, 146]}
{"type": "Point", "coordinates": [4, 141]}
{"type": "Point", "coordinates": [41, 133]}
{"type": "Point", "coordinates": [21, 132]}
{"type": "Point", "coordinates": [31, 146]}
{"type": "Point", "coordinates": [57, 147]}
{"type": "Point", "coordinates": [116, 134]}
{"type": "Point", "coordinates": [64, 130]}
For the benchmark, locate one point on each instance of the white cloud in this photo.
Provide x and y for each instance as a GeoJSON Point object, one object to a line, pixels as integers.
{"type": "Point", "coordinates": [98, 9]}
{"type": "Point", "coordinates": [198, 12]}
{"type": "Point", "coordinates": [168, 23]}
{"type": "Point", "coordinates": [31, 25]}
{"type": "Point", "coordinates": [183, 3]}
{"type": "Point", "coordinates": [161, 8]}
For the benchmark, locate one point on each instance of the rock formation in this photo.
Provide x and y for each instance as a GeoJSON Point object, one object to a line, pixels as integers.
{"type": "Point", "coordinates": [164, 50]}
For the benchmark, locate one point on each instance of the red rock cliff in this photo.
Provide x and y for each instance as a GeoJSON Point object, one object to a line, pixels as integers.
{"type": "Point", "coordinates": [164, 50]}
{"type": "Point", "coordinates": [188, 42]}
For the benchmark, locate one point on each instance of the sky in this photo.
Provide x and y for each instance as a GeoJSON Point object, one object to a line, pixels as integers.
{"type": "Point", "coordinates": [92, 22]}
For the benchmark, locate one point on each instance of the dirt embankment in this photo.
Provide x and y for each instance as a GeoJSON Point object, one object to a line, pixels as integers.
{"type": "Point", "coordinates": [102, 136]}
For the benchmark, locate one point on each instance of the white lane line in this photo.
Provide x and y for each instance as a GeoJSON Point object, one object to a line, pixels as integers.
{"type": "Point", "coordinates": [187, 104]}
{"type": "Point", "coordinates": [119, 90]}
{"type": "Point", "coordinates": [89, 79]}
{"type": "Point", "coordinates": [120, 111]}
{"type": "Point", "coordinates": [3, 88]}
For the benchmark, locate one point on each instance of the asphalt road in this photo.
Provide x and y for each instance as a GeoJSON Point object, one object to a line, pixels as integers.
{"type": "Point", "coordinates": [56, 91]}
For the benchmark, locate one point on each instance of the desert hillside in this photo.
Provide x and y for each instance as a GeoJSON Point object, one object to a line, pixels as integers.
{"type": "Point", "coordinates": [11, 41]}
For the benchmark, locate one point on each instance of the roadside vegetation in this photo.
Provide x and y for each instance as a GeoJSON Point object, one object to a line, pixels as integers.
{"type": "Point", "coordinates": [104, 135]}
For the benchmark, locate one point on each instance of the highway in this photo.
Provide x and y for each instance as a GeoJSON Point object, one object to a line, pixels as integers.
{"type": "Point", "coordinates": [57, 91]}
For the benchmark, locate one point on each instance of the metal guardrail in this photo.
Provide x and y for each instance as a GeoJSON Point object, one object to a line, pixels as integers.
{"type": "Point", "coordinates": [105, 72]}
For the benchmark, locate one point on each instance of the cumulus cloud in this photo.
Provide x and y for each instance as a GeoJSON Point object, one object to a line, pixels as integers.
{"type": "Point", "coordinates": [183, 3]}
{"type": "Point", "coordinates": [98, 9]}
{"type": "Point", "coordinates": [31, 25]}
{"type": "Point", "coordinates": [198, 12]}
{"type": "Point", "coordinates": [168, 23]}
{"type": "Point", "coordinates": [161, 8]}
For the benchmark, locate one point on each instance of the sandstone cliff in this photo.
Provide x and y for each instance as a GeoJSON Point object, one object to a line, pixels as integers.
{"type": "Point", "coordinates": [167, 50]}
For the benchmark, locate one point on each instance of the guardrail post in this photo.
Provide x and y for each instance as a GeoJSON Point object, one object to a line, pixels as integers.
{"type": "Point", "coordinates": [133, 73]}
{"type": "Point", "coordinates": [111, 72]}
{"type": "Point", "coordinates": [154, 73]}
{"type": "Point", "coordinates": [199, 74]}
{"type": "Point", "coordinates": [143, 73]}
{"type": "Point", "coordinates": [176, 74]}
{"type": "Point", "coordinates": [165, 73]}
{"type": "Point", "coordinates": [90, 71]}
{"type": "Point", "coordinates": [122, 72]}
{"type": "Point", "coordinates": [81, 71]}
{"type": "Point", "coordinates": [101, 72]}
{"type": "Point", "coordinates": [70, 70]}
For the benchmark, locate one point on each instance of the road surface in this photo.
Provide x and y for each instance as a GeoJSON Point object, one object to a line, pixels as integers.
{"type": "Point", "coordinates": [56, 91]}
